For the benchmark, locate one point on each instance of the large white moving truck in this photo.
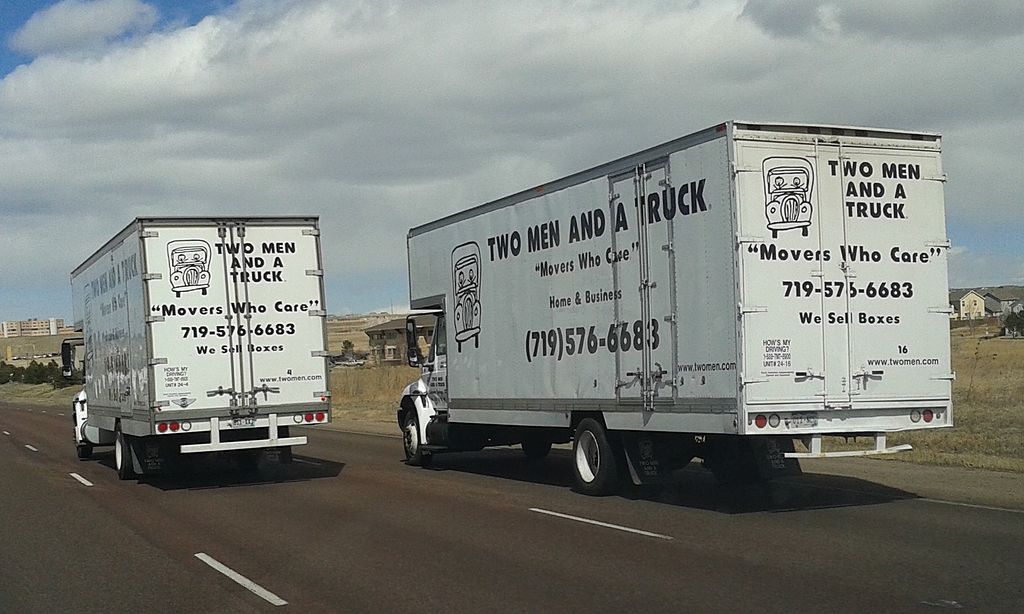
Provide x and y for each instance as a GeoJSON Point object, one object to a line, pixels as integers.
{"type": "Point", "coordinates": [717, 297]}
{"type": "Point", "coordinates": [201, 335]}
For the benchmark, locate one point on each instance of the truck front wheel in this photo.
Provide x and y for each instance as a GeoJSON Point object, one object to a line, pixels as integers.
{"type": "Point", "coordinates": [123, 456]}
{"type": "Point", "coordinates": [414, 454]}
{"type": "Point", "coordinates": [596, 459]}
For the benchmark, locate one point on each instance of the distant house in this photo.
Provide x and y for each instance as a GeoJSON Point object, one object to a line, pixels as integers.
{"type": "Point", "coordinates": [973, 306]}
{"type": "Point", "coordinates": [387, 340]}
{"type": "Point", "coordinates": [1005, 296]}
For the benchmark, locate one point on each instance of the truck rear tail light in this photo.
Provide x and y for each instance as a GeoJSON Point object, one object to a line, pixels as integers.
{"type": "Point", "coordinates": [309, 417]}
{"type": "Point", "coordinates": [915, 416]}
{"type": "Point", "coordinates": [319, 416]}
{"type": "Point", "coordinates": [773, 420]}
{"type": "Point", "coordinates": [760, 421]}
{"type": "Point", "coordinates": [174, 427]}
{"type": "Point", "coordinates": [927, 415]}
{"type": "Point", "coordinates": [162, 427]}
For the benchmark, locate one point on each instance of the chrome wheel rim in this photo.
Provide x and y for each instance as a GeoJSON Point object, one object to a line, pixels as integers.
{"type": "Point", "coordinates": [588, 457]}
{"type": "Point", "coordinates": [118, 453]}
{"type": "Point", "coordinates": [411, 438]}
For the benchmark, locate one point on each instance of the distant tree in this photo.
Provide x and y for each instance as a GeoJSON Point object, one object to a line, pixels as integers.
{"type": "Point", "coordinates": [347, 347]}
{"type": "Point", "coordinates": [1014, 323]}
{"type": "Point", "coordinates": [9, 373]}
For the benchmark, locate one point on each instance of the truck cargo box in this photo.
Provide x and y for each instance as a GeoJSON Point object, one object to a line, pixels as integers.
{"type": "Point", "coordinates": [211, 330]}
{"type": "Point", "coordinates": [749, 279]}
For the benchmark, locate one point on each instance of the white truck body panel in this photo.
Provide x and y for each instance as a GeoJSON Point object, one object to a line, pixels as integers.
{"type": "Point", "coordinates": [735, 276]}
{"type": "Point", "coordinates": [191, 319]}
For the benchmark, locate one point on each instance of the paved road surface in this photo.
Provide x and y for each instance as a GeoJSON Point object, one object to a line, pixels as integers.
{"type": "Point", "coordinates": [350, 528]}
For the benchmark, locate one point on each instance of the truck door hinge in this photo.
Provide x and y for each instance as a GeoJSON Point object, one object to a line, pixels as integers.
{"type": "Point", "coordinates": [808, 374]}
{"type": "Point", "coordinates": [149, 234]}
{"type": "Point", "coordinates": [320, 354]}
{"type": "Point", "coordinates": [152, 319]}
{"type": "Point", "coordinates": [754, 309]}
{"type": "Point", "coordinates": [946, 310]}
{"type": "Point", "coordinates": [743, 240]}
{"type": "Point", "coordinates": [311, 232]}
{"type": "Point", "coordinates": [151, 276]}
{"type": "Point", "coordinates": [317, 312]}
{"type": "Point", "coordinates": [315, 272]}
{"type": "Point", "coordinates": [945, 244]}
{"type": "Point", "coordinates": [157, 361]}
{"type": "Point", "coordinates": [945, 376]}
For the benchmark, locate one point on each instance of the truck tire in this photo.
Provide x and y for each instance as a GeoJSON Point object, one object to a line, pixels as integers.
{"type": "Point", "coordinates": [123, 455]}
{"type": "Point", "coordinates": [414, 453]}
{"type": "Point", "coordinates": [596, 460]}
{"type": "Point", "coordinates": [536, 448]}
{"type": "Point", "coordinates": [84, 451]}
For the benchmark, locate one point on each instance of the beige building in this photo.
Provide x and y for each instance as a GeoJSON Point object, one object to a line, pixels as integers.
{"type": "Point", "coordinates": [33, 328]}
{"type": "Point", "coordinates": [387, 340]}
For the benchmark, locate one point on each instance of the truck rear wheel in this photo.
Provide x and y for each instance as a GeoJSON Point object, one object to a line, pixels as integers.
{"type": "Point", "coordinates": [596, 460]}
{"type": "Point", "coordinates": [536, 448]}
{"type": "Point", "coordinates": [414, 454]}
{"type": "Point", "coordinates": [123, 455]}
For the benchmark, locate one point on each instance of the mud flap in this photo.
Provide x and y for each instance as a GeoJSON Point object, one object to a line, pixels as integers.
{"type": "Point", "coordinates": [150, 455]}
{"type": "Point", "coordinates": [770, 456]}
{"type": "Point", "coordinates": [652, 457]}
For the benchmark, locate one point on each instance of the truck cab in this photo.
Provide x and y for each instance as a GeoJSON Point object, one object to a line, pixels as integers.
{"type": "Point", "coordinates": [423, 411]}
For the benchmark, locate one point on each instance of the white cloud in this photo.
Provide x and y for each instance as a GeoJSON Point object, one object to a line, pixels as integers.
{"type": "Point", "coordinates": [380, 116]}
{"type": "Point", "coordinates": [76, 25]}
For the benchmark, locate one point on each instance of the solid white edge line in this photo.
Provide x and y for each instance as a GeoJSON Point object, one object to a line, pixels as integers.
{"type": "Point", "coordinates": [600, 524]}
{"type": "Point", "coordinates": [30, 447]}
{"type": "Point", "coordinates": [971, 505]}
{"type": "Point", "coordinates": [7, 433]}
{"type": "Point", "coordinates": [912, 498]}
{"type": "Point", "coordinates": [242, 580]}
{"type": "Point", "coordinates": [84, 481]}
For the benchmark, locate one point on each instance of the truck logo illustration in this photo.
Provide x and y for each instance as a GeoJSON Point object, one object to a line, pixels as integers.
{"type": "Point", "coordinates": [466, 290]}
{"type": "Point", "coordinates": [787, 193]}
{"type": "Point", "coordinates": [189, 261]}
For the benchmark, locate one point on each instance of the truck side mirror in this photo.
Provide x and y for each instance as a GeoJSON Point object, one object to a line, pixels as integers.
{"type": "Point", "coordinates": [67, 359]}
{"type": "Point", "coordinates": [412, 345]}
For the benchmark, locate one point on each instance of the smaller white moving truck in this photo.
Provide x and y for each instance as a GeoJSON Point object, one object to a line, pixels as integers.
{"type": "Point", "coordinates": [200, 335]}
{"type": "Point", "coordinates": [716, 297]}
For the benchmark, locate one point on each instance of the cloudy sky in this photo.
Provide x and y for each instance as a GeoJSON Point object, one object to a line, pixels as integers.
{"type": "Point", "coordinates": [381, 115]}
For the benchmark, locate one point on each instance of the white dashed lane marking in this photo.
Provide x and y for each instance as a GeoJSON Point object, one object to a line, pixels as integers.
{"type": "Point", "coordinates": [30, 447]}
{"type": "Point", "coordinates": [84, 481]}
{"type": "Point", "coordinates": [239, 578]}
{"type": "Point", "coordinates": [598, 523]}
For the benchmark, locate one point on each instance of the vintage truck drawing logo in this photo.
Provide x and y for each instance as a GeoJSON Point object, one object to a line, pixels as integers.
{"type": "Point", "coordinates": [466, 292]}
{"type": "Point", "coordinates": [189, 261]}
{"type": "Point", "coordinates": [787, 192]}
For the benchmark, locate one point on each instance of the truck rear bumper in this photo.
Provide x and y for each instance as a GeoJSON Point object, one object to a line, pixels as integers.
{"type": "Point", "coordinates": [813, 443]}
{"type": "Point", "coordinates": [251, 444]}
{"type": "Point", "coordinates": [240, 443]}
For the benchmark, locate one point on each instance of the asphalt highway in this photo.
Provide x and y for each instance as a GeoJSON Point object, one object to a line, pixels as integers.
{"type": "Point", "coordinates": [349, 527]}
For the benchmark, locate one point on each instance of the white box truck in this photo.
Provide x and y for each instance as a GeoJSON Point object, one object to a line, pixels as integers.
{"type": "Point", "coordinates": [200, 335]}
{"type": "Point", "coordinates": [717, 297]}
